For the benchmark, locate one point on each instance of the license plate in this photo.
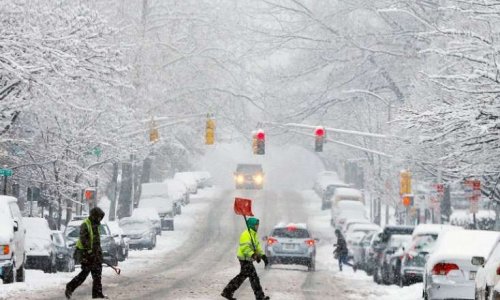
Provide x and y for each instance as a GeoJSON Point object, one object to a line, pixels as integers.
{"type": "Point", "coordinates": [472, 275]}
{"type": "Point", "coordinates": [288, 246]}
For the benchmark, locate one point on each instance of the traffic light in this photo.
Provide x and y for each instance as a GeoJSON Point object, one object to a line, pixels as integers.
{"type": "Point", "coordinates": [154, 135]}
{"type": "Point", "coordinates": [260, 137]}
{"type": "Point", "coordinates": [319, 135]}
{"type": "Point", "coordinates": [254, 142]}
{"type": "Point", "coordinates": [404, 182]}
{"type": "Point", "coordinates": [210, 132]}
{"type": "Point", "coordinates": [408, 200]}
{"type": "Point", "coordinates": [90, 194]}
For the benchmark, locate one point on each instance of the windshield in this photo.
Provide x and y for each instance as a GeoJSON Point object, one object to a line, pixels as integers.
{"type": "Point", "coordinates": [290, 233]}
{"type": "Point", "coordinates": [134, 225]}
{"type": "Point", "coordinates": [398, 241]}
{"type": "Point", "coordinates": [249, 168]}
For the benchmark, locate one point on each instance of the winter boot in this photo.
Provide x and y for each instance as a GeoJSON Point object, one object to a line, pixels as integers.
{"type": "Point", "coordinates": [67, 293]}
{"type": "Point", "coordinates": [227, 296]}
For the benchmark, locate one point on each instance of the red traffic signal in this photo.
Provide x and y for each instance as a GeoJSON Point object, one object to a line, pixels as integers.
{"type": "Point", "coordinates": [89, 194]}
{"type": "Point", "coordinates": [319, 131]}
{"type": "Point", "coordinates": [261, 135]}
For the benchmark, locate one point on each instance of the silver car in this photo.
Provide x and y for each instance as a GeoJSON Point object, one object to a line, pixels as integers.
{"type": "Point", "coordinates": [291, 244]}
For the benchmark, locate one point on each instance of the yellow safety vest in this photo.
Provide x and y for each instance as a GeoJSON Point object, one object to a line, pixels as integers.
{"type": "Point", "coordinates": [246, 248]}
{"type": "Point", "coordinates": [79, 244]}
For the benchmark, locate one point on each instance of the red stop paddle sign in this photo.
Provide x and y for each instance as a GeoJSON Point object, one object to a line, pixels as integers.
{"type": "Point", "coordinates": [243, 207]}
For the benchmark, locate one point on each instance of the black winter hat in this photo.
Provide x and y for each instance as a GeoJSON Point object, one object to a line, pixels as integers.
{"type": "Point", "coordinates": [96, 215]}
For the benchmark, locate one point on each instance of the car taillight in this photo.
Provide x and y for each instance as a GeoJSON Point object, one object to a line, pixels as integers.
{"type": "Point", "coordinates": [444, 268]}
{"type": "Point", "coordinates": [6, 249]}
{"type": "Point", "coordinates": [271, 241]}
{"type": "Point", "coordinates": [498, 270]}
{"type": "Point", "coordinates": [310, 243]}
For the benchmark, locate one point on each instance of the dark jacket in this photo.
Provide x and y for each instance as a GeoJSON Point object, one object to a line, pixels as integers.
{"type": "Point", "coordinates": [341, 246]}
{"type": "Point", "coordinates": [94, 256]}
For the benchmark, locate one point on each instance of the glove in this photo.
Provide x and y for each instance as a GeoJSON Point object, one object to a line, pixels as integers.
{"type": "Point", "coordinates": [266, 261]}
{"type": "Point", "coordinates": [256, 257]}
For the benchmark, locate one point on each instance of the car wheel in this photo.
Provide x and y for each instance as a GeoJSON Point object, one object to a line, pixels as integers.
{"type": "Point", "coordinates": [10, 276]}
{"type": "Point", "coordinates": [312, 265]}
{"type": "Point", "coordinates": [20, 274]}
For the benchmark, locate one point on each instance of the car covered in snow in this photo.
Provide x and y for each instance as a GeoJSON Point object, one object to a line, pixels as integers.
{"type": "Point", "coordinates": [203, 178]}
{"type": "Point", "coordinates": [40, 250]}
{"type": "Point", "coordinates": [249, 176]}
{"type": "Point", "coordinates": [356, 232]}
{"type": "Point", "coordinates": [390, 258]}
{"type": "Point", "coordinates": [347, 210]}
{"type": "Point", "coordinates": [151, 214]}
{"type": "Point", "coordinates": [412, 264]}
{"type": "Point", "coordinates": [140, 231]}
{"type": "Point", "coordinates": [361, 251]}
{"type": "Point", "coordinates": [12, 241]}
{"type": "Point", "coordinates": [155, 195]}
{"type": "Point", "coordinates": [179, 191]}
{"type": "Point", "coordinates": [64, 252]}
{"type": "Point", "coordinates": [291, 244]}
{"type": "Point", "coordinates": [488, 274]}
{"type": "Point", "coordinates": [323, 180]}
{"type": "Point", "coordinates": [122, 242]}
{"type": "Point", "coordinates": [449, 272]}
{"type": "Point", "coordinates": [108, 245]}
{"type": "Point", "coordinates": [189, 179]}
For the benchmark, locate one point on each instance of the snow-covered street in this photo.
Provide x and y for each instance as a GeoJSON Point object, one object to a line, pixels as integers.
{"type": "Point", "coordinates": [197, 259]}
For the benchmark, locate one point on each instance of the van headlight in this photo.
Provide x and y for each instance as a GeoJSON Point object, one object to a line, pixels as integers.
{"type": "Point", "coordinates": [240, 179]}
{"type": "Point", "coordinates": [258, 179]}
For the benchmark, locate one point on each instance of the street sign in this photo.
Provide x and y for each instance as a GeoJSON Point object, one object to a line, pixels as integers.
{"type": "Point", "coordinates": [6, 172]}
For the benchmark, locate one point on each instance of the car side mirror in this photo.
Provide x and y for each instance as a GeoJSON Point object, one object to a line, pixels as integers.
{"type": "Point", "coordinates": [16, 226]}
{"type": "Point", "coordinates": [477, 261]}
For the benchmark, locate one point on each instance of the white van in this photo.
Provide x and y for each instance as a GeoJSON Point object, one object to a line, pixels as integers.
{"type": "Point", "coordinates": [343, 193]}
{"type": "Point", "coordinates": [12, 241]}
{"type": "Point", "coordinates": [155, 195]}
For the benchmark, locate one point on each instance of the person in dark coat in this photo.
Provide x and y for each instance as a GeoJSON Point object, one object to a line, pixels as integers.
{"type": "Point", "coordinates": [89, 252]}
{"type": "Point", "coordinates": [341, 251]}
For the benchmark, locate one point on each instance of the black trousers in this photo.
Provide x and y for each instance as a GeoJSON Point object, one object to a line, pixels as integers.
{"type": "Point", "coordinates": [96, 271]}
{"type": "Point", "coordinates": [247, 271]}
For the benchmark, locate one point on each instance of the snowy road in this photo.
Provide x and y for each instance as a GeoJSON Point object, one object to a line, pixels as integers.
{"type": "Point", "coordinates": [200, 260]}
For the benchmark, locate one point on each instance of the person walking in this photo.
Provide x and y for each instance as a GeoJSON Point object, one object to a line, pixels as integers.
{"type": "Point", "coordinates": [89, 253]}
{"type": "Point", "coordinates": [249, 251]}
{"type": "Point", "coordinates": [341, 251]}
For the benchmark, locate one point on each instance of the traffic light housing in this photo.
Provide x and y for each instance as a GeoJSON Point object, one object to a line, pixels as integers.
{"type": "Point", "coordinates": [319, 139]}
{"type": "Point", "coordinates": [210, 132]}
{"type": "Point", "coordinates": [89, 194]}
{"type": "Point", "coordinates": [260, 137]}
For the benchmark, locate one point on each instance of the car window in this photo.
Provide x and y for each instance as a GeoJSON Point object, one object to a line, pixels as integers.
{"type": "Point", "coordinates": [291, 233]}
{"type": "Point", "coordinates": [58, 240]}
{"type": "Point", "coordinates": [249, 168]}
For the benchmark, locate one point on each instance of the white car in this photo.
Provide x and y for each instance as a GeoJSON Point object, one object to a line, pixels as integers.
{"type": "Point", "coordinates": [189, 178]}
{"type": "Point", "coordinates": [151, 214]}
{"type": "Point", "coordinates": [155, 195]}
{"type": "Point", "coordinates": [349, 223]}
{"type": "Point", "coordinates": [449, 272]}
{"type": "Point", "coordinates": [488, 274]}
{"type": "Point", "coordinates": [178, 192]}
{"type": "Point", "coordinates": [41, 253]}
{"type": "Point", "coordinates": [12, 241]}
{"type": "Point", "coordinates": [432, 230]}
{"type": "Point", "coordinates": [347, 209]}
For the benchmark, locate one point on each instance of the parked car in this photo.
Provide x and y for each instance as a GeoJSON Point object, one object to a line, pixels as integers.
{"type": "Point", "coordinates": [291, 244]}
{"type": "Point", "coordinates": [449, 272]}
{"type": "Point", "coordinates": [178, 192]}
{"type": "Point", "coordinates": [122, 242]}
{"type": "Point", "coordinates": [178, 186]}
{"type": "Point", "coordinates": [108, 246]}
{"type": "Point", "coordinates": [360, 251]}
{"type": "Point", "coordinates": [323, 179]}
{"type": "Point", "coordinates": [347, 209]}
{"type": "Point", "coordinates": [12, 241]}
{"type": "Point", "coordinates": [40, 250]}
{"type": "Point", "coordinates": [249, 176]}
{"type": "Point", "coordinates": [349, 223]}
{"type": "Point", "coordinates": [413, 261]}
{"type": "Point", "coordinates": [357, 229]}
{"type": "Point", "coordinates": [488, 274]}
{"type": "Point", "coordinates": [203, 178]}
{"type": "Point", "coordinates": [155, 195]}
{"type": "Point", "coordinates": [151, 214]}
{"type": "Point", "coordinates": [329, 192]}
{"type": "Point", "coordinates": [140, 231]}
{"type": "Point", "coordinates": [189, 180]}
{"type": "Point", "coordinates": [64, 253]}
{"type": "Point", "coordinates": [380, 245]}
{"type": "Point", "coordinates": [372, 254]}
{"type": "Point", "coordinates": [392, 252]}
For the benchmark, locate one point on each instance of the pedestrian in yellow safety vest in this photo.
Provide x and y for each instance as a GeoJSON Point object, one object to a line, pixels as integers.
{"type": "Point", "coordinates": [249, 251]}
